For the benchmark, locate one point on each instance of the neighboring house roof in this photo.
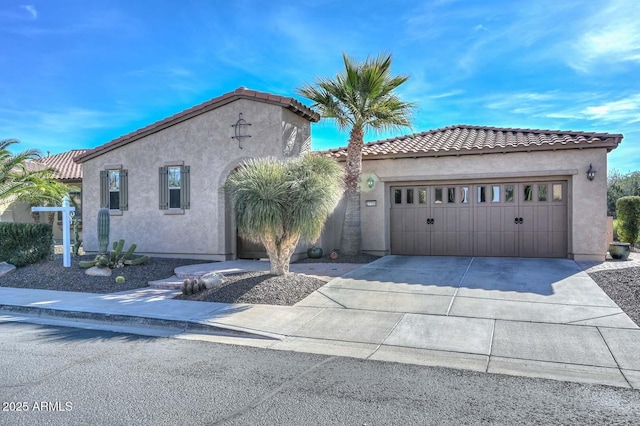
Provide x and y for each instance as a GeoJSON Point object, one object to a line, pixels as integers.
{"type": "Point", "coordinates": [66, 168]}
{"type": "Point", "coordinates": [463, 139]}
{"type": "Point", "coordinates": [240, 93]}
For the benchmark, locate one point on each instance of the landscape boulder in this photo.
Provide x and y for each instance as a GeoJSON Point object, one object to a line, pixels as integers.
{"type": "Point", "coordinates": [96, 271]}
{"type": "Point", "coordinates": [211, 280]}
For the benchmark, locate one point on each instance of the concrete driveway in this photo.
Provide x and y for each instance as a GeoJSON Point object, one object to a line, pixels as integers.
{"type": "Point", "coordinates": [531, 317]}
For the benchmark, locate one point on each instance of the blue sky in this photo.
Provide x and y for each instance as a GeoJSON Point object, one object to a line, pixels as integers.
{"type": "Point", "coordinates": [77, 74]}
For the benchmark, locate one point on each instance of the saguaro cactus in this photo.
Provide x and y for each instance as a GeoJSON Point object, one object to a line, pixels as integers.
{"type": "Point", "coordinates": [103, 230]}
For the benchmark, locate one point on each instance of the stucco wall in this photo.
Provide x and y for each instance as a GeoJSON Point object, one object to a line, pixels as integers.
{"type": "Point", "coordinates": [204, 143]}
{"type": "Point", "coordinates": [586, 199]}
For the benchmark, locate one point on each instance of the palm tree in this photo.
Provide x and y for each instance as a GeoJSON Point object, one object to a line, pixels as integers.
{"type": "Point", "coordinates": [280, 202]}
{"type": "Point", "coordinates": [20, 180]}
{"type": "Point", "coordinates": [359, 99]}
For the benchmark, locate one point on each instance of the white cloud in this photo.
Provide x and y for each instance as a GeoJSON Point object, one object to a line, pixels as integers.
{"type": "Point", "coordinates": [448, 94]}
{"type": "Point", "coordinates": [585, 110]}
{"type": "Point", "coordinates": [31, 9]}
{"type": "Point", "coordinates": [612, 36]}
{"type": "Point", "coordinates": [625, 110]}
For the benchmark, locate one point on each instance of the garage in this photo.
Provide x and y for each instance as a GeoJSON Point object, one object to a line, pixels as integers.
{"type": "Point", "coordinates": [521, 219]}
{"type": "Point", "coordinates": [484, 191]}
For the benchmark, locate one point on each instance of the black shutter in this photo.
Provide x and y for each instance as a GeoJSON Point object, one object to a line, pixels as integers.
{"type": "Point", "coordinates": [104, 189]}
{"type": "Point", "coordinates": [124, 190]}
{"type": "Point", "coordinates": [164, 188]}
{"type": "Point", "coordinates": [185, 187]}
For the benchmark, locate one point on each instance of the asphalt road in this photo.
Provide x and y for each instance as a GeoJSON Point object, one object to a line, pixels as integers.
{"type": "Point", "coordinates": [67, 376]}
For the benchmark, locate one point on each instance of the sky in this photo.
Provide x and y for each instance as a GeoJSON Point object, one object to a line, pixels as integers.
{"type": "Point", "coordinates": [77, 74]}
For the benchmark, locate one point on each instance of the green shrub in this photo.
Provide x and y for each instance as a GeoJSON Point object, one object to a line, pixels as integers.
{"type": "Point", "coordinates": [25, 243]}
{"type": "Point", "coordinates": [628, 219]}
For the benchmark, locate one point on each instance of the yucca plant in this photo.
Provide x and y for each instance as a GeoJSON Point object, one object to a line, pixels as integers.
{"type": "Point", "coordinates": [280, 202]}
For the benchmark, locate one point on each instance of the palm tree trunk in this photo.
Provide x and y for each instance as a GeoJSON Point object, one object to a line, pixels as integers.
{"type": "Point", "coordinates": [351, 239]}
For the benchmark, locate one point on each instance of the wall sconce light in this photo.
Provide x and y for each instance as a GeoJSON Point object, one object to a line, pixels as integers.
{"type": "Point", "coordinates": [591, 173]}
{"type": "Point", "coordinates": [371, 182]}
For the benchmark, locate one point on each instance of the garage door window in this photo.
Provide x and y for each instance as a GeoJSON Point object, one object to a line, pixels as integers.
{"type": "Point", "coordinates": [410, 196]}
{"type": "Point", "coordinates": [509, 194]}
{"type": "Point", "coordinates": [451, 196]}
{"type": "Point", "coordinates": [542, 192]}
{"type": "Point", "coordinates": [482, 194]}
{"type": "Point", "coordinates": [528, 193]}
{"type": "Point", "coordinates": [557, 192]}
{"type": "Point", "coordinates": [438, 199]}
{"type": "Point", "coordinates": [464, 194]}
{"type": "Point", "coordinates": [495, 194]}
{"type": "Point", "coordinates": [397, 196]}
{"type": "Point", "coordinates": [422, 196]}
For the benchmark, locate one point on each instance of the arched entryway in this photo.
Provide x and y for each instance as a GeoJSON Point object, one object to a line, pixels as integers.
{"type": "Point", "coordinates": [236, 246]}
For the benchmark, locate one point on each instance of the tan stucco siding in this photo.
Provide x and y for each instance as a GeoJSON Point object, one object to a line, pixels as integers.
{"type": "Point", "coordinates": [586, 202]}
{"type": "Point", "coordinates": [205, 144]}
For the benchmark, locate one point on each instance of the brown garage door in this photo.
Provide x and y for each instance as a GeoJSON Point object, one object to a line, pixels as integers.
{"type": "Point", "coordinates": [501, 219]}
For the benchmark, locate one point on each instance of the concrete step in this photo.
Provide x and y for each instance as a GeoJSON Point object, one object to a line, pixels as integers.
{"type": "Point", "coordinates": [171, 283]}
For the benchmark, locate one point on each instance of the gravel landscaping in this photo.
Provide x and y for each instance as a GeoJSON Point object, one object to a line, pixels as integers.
{"type": "Point", "coordinates": [51, 275]}
{"type": "Point", "coordinates": [260, 288]}
{"type": "Point", "coordinates": [623, 287]}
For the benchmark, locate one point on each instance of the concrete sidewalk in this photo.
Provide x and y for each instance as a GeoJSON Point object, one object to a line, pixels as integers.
{"type": "Point", "coordinates": [529, 317]}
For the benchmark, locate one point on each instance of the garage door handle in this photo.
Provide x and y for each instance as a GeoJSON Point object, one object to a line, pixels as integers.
{"type": "Point", "coordinates": [515, 220]}
{"type": "Point", "coordinates": [518, 221]}
{"type": "Point", "coordinates": [430, 221]}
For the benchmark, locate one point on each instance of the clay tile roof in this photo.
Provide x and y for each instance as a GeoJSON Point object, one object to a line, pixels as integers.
{"type": "Point", "coordinates": [239, 93]}
{"type": "Point", "coordinates": [66, 168]}
{"type": "Point", "coordinates": [464, 139]}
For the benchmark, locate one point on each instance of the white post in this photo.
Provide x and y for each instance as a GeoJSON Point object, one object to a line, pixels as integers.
{"type": "Point", "coordinates": [66, 238]}
{"type": "Point", "coordinates": [66, 224]}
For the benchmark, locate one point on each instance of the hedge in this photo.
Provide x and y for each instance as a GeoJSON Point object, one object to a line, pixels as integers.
{"type": "Point", "coordinates": [628, 219]}
{"type": "Point", "coordinates": [25, 243]}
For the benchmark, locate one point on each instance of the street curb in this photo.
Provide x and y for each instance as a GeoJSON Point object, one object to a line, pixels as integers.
{"type": "Point", "coordinates": [130, 320]}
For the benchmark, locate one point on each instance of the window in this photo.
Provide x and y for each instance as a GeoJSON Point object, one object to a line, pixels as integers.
{"type": "Point", "coordinates": [464, 194]}
{"type": "Point", "coordinates": [114, 189]}
{"type": "Point", "coordinates": [438, 196]}
{"type": "Point", "coordinates": [451, 195]}
{"type": "Point", "coordinates": [397, 196]}
{"type": "Point", "coordinates": [495, 194]}
{"type": "Point", "coordinates": [509, 194]}
{"type": "Point", "coordinates": [542, 192]}
{"type": "Point", "coordinates": [410, 196]}
{"type": "Point", "coordinates": [175, 187]}
{"type": "Point", "coordinates": [557, 192]}
{"type": "Point", "coordinates": [482, 194]}
{"type": "Point", "coordinates": [528, 193]}
{"type": "Point", "coordinates": [422, 196]}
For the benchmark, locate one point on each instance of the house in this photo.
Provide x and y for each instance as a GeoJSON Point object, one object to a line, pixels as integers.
{"type": "Point", "coordinates": [461, 190]}
{"type": "Point", "coordinates": [162, 183]}
{"type": "Point", "coordinates": [68, 172]}
{"type": "Point", "coordinates": [484, 191]}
